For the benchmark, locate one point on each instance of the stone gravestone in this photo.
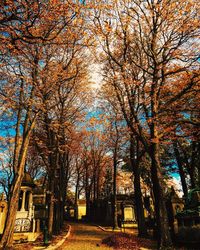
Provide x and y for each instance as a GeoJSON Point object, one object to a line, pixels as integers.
{"type": "Point", "coordinates": [129, 214]}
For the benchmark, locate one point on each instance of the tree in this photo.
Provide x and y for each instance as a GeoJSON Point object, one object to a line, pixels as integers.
{"type": "Point", "coordinates": [94, 161]}
{"type": "Point", "coordinates": [28, 29]}
{"type": "Point", "coordinates": [115, 138]}
{"type": "Point", "coordinates": [20, 100]}
{"type": "Point", "coordinates": [62, 111]}
{"type": "Point", "coordinates": [150, 50]}
{"type": "Point", "coordinates": [6, 158]}
{"type": "Point", "coordinates": [119, 137]}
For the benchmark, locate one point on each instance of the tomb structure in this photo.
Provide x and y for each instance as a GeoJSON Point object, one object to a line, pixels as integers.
{"type": "Point", "coordinates": [27, 223]}
{"type": "Point", "coordinates": [3, 212]}
{"type": "Point", "coordinates": [190, 216]}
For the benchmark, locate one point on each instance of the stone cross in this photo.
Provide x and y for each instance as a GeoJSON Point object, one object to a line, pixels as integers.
{"type": "Point", "coordinates": [2, 208]}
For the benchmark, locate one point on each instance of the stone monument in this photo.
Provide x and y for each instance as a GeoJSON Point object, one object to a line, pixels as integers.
{"type": "Point", "coordinates": [3, 212]}
{"type": "Point", "coordinates": [190, 215]}
{"type": "Point", "coordinates": [189, 219]}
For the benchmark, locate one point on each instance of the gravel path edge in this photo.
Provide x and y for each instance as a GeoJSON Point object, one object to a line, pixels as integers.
{"type": "Point", "coordinates": [61, 241]}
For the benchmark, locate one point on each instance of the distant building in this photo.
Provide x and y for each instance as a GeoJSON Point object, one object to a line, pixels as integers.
{"type": "Point", "coordinates": [81, 209]}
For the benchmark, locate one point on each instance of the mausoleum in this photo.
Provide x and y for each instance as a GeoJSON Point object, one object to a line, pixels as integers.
{"type": "Point", "coordinates": [31, 210]}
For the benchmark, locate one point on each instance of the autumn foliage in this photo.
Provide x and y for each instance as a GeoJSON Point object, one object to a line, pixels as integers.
{"type": "Point", "coordinates": [122, 241]}
{"type": "Point", "coordinates": [146, 113]}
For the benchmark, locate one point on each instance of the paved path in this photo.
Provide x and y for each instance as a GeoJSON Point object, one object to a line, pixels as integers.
{"type": "Point", "coordinates": [85, 237]}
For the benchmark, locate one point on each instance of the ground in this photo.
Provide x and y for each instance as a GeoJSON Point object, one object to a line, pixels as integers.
{"type": "Point", "coordinates": [85, 237]}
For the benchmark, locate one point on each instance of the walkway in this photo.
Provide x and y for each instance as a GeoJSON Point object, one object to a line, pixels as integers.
{"type": "Point", "coordinates": [85, 237]}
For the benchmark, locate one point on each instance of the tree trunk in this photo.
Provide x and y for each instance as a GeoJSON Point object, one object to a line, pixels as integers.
{"type": "Point", "coordinates": [190, 165]}
{"type": "Point", "coordinates": [193, 164]}
{"type": "Point", "coordinates": [181, 170]}
{"type": "Point", "coordinates": [62, 212]}
{"type": "Point", "coordinates": [94, 184]}
{"type": "Point", "coordinates": [61, 208]}
{"type": "Point", "coordinates": [88, 190]}
{"type": "Point", "coordinates": [163, 233]}
{"type": "Point", "coordinates": [88, 213]}
{"type": "Point", "coordinates": [98, 178]}
{"type": "Point", "coordinates": [57, 222]}
{"type": "Point", "coordinates": [191, 172]}
{"type": "Point", "coordinates": [51, 208]}
{"type": "Point", "coordinates": [142, 229]}
{"type": "Point", "coordinates": [7, 239]}
{"type": "Point", "coordinates": [115, 223]}
{"type": "Point", "coordinates": [57, 206]}
{"type": "Point", "coordinates": [164, 238]}
{"type": "Point", "coordinates": [198, 165]}
{"type": "Point", "coordinates": [76, 198]}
